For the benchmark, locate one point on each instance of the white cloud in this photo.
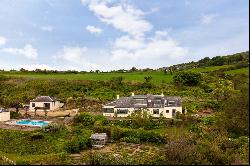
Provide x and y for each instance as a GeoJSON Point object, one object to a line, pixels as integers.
{"type": "Point", "coordinates": [134, 46]}
{"type": "Point", "coordinates": [207, 18]}
{"type": "Point", "coordinates": [3, 40]}
{"type": "Point", "coordinates": [77, 56]}
{"type": "Point", "coordinates": [38, 66]}
{"type": "Point", "coordinates": [93, 29]}
{"type": "Point", "coordinates": [159, 46]}
{"type": "Point", "coordinates": [129, 43]}
{"type": "Point", "coordinates": [121, 16]}
{"type": "Point", "coordinates": [47, 28]}
{"type": "Point", "coordinates": [28, 51]}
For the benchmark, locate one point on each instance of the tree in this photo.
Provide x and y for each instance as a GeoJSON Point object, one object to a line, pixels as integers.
{"type": "Point", "coordinates": [204, 61]}
{"type": "Point", "coordinates": [187, 78]}
{"type": "Point", "coordinates": [133, 69]}
{"type": "Point", "coordinates": [147, 82]}
{"type": "Point", "coordinates": [148, 79]}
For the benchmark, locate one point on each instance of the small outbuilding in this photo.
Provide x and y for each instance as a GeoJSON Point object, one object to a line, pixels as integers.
{"type": "Point", "coordinates": [46, 102]}
{"type": "Point", "coordinates": [99, 139]}
{"type": "Point", "coordinates": [4, 115]}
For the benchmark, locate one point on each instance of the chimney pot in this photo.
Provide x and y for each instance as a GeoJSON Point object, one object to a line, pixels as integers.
{"type": "Point", "coordinates": [117, 97]}
{"type": "Point", "coordinates": [132, 94]}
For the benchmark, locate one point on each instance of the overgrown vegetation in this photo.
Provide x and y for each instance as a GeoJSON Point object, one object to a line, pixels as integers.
{"type": "Point", "coordinates": [220, 138]}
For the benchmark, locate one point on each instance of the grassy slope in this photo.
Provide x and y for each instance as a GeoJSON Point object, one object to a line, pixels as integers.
{"type": "Point", "coordinates": [210, 68]}
{"type": "Point", "coordinates": [158, 77]}
{"type": "Point", "coordinates": [239, 71]}
{"type": "Point", "coordinates": [136, 76]}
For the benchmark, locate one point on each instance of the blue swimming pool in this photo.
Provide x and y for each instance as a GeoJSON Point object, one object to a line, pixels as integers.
{"type": "Point", "coordinates": [39, 123]}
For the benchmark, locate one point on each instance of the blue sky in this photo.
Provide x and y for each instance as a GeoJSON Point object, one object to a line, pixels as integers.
{"type": "Point", "coordinates": [118, 34]}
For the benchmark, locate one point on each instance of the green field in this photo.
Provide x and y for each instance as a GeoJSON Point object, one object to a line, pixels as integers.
{"type": "Point", "coordinates": [157, 76]}
{"type": "Point", "coordinates": [210, 68]}
{"type": "Point", "coordinates": [133, 76]}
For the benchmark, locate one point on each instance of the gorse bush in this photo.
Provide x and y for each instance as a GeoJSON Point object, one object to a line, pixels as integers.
{"type": "Point", "coordinates": [85, 119]}
{"type": "Point", "coordinates": [77, 144]}
{"type": "Point", "coordinates": [187, 78]}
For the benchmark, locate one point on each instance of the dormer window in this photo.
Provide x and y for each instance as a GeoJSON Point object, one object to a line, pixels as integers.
{"type": "Point", "coordinates": [171, 103]}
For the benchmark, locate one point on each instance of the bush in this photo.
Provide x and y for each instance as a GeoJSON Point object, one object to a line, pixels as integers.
{"type": "Point", "coordinates": [53, 128]}
{"type": "Point", "coordinates": [116, 133]}
{"type": "Point", "coordinates": [72, 146]}
{"type": "Point", "coordinates": [85, 118]}
{"type": "Point", "coordinates": [36, 136]}
{"type": "Point", "coordinates": [21, 162]}
{"type": "Point", "coordinates": [130, 139]}
{"type": "Point", "coordinates": [187, 78]}
{"type": "Point", "coordinates": [103, 129]}
{"type": "Point", "coordinates": [14, 115]}
{"type": "Point", "coordinates": [82, 141]}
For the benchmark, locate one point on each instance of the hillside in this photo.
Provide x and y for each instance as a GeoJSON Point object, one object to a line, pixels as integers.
{"type": "Point", "coordinates": [230, 63]}
{"type": "Point", "coordinates": [218, 138]}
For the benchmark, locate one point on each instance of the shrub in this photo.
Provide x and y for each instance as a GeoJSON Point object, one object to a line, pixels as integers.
{"type": "Point", "coordinates": [72, 146]}
{"type": "Point", "coordinates": [36, 136]}
{"type": "Point", "coordinates": [85, 118]}
{"type": "Point", "coordinates": [187, 78]}
{"type": "Point", "coordinates": [14, 115]}
{"type": "Point", "coordinates": [130, 139]}
{"type": "Point", "coordinates": [53, 128]}
{"type": "Point", "coordinates": [103, 129]}
{"type": "Point", "coordinates": [116, 133]}
{"type": "Point", "coordinates": [21, 162]}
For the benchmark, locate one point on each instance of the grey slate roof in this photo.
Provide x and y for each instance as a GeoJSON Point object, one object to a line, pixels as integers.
{"type": "Point", "coordinates": [146, 101]}
{"type": "Point", "coordinates": [3, 110]}
{"type": "Point", "coordinates": [44, 99]}
{"type": "Point", "coordinates": [98, 136]}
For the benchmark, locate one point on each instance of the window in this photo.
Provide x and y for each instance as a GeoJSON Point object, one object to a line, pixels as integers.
{"type": "Point", "coordinates": [33, 104]}
{"type": "Point", "coordinates": [171, 103]}
{"type": "Point", "coordinates": [155, 111]}
{"type": "Point", "coordinates": [47, 105]}
{"type": "Point", "coordinates": [122, 111]}
{"type": "Point", "coordinates": [157, 103]}
{"type": "Point", "coordinates": [173, 112]}
{"type": "Point", "coordinates": [167, 111]}
{"type": "Point", "coordinates": [140, 101]}
{"type": "Point", "coordinates": [108, 110]}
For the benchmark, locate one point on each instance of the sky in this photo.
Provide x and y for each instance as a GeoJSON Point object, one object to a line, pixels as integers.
{"type": "Point", "coordinates": [109, 35]}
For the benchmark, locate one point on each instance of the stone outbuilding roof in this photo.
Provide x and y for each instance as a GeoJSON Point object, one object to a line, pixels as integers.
{"type": "Point", "coordinates": [99, 136]}
{"type": "Point", "coordinates": [44, 99]}
{"type": "Point", "coordinates": [3, 110]}
{"type": "Point", "coordinates": [146, 101]}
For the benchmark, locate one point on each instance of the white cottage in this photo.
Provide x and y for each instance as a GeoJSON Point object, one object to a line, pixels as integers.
{"type": "Point", "coordinates": [155, 105]}
{"type": "Point", "coordinates": [47, 102]}
{"type": "Point", "coordinates": [4, 115]}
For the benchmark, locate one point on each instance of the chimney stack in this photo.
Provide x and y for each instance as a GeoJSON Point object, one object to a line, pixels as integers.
{"type": "Point", "coordinates": [117, 97]}
{"type": "Point", "coordinates": [162, 95]}
{"type": "Point", "coordinates": [132, 94]}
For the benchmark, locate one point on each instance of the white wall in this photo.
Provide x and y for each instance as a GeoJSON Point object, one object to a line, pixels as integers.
{"type": "Point", "coordinates": [150, 111]}
{"type": "Point", "coordinates": [53, 105]}
{"type": "Point", "coordinates": [169, 115]}
{"type": "Point", "coordinates": [4, 116]}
